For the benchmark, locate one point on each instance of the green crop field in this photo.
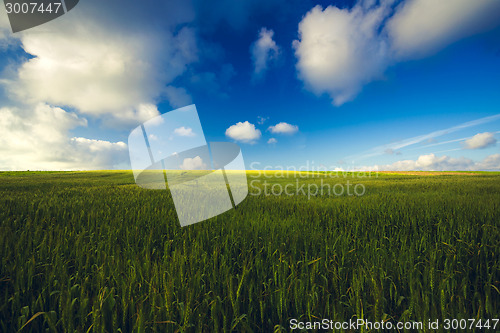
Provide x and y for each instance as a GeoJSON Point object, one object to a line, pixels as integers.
{"type": "Point", "coordinates": [91, 251]}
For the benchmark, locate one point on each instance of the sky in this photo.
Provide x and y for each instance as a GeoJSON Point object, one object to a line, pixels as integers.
{"type": "Point", "coordinates": [337, 85]}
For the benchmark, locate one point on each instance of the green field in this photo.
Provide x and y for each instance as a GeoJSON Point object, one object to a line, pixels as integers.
{"type": "Point", "coordinates": [91, 251]}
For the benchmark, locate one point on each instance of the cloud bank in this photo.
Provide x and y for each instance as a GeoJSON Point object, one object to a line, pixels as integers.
{"type": "Point", "coordinates": [432, 162]}
{"type": "Point", "coordinates": [38, 139]}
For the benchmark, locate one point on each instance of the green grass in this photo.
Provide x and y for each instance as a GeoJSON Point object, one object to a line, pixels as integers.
{"type": "Point", "coordinates": [92, 251]}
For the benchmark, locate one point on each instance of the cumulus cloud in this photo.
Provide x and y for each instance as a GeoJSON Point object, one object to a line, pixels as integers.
{"type": "Point", "coordinates": [105, 68]}
{"type": "Point", "coordinates": [184, 131]}
{"type": "Point", "coordinates": [284, 128]}
{"type": "Point", "coordinates": [480, 140]}
{"type": "Point", "coordinates": [195, 163]}
{"type": "Point", "coordinates": [111, 68]}
{"type": "Point", "coordinates": [244, 132]}
{"type": "Point", "coordinates": [96, 76]}
{"type": "Point", "coordinates": [341, 50]}
{"type": "Point", "coordinates": [130, 116]}
{"type": "Point", "coordinates": [263, 51]}
{"type": "Point", "coordinates": [38, 139]}
{"type": "Point", "coordinates": [272, 141]}
{"type": "Point", "coordinates": [420, 27]}
{"type": "Point", "coordinates": [431, 162]}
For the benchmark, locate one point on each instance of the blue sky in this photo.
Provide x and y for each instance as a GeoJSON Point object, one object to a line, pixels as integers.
{"type": "Point", "coordinates": [389, 85]}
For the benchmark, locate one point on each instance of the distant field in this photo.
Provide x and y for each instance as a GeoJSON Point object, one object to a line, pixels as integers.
{"type": "Point", "coordinates": [92, 251]}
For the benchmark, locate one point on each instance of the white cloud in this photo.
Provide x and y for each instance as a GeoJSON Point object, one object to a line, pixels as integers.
{"type": "Point", "coordinates": [480, 140]}
{"type": "Point", "coordinates": [195, 163]}
{"type": "Point", "coordinates": [99, 145]}
{"type": "Point", "coordinates": [184, 131]}
{"type": "Point", "coordinates": [244, 132]}
{"type": "Point", "coordinates": [111, 68]}
{"type": "Point", "coordinates": [263, 51]}
{"type": "Point", "coordinates": [420, 27]}
{"type": "Point", "coordinates": [341, 50]}
{"type": "Point", "coordinates": [272, 141]}
{"type": "Point", "coordinates": [104, 68]}
{"type": "Point", "coordinates": [38, 139]}
{"type": "Point", "coordinates": [284, 128]}
{"type": "Point", "coordinates": [131, 116]}
{"type": "Point", "coordinates": [432, 162]}
{"type": "Point", "coordinates": [491, 162]}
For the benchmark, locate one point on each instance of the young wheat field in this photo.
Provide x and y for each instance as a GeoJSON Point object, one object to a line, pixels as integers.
{"type": "Point", "coordinates": [92, 251]}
